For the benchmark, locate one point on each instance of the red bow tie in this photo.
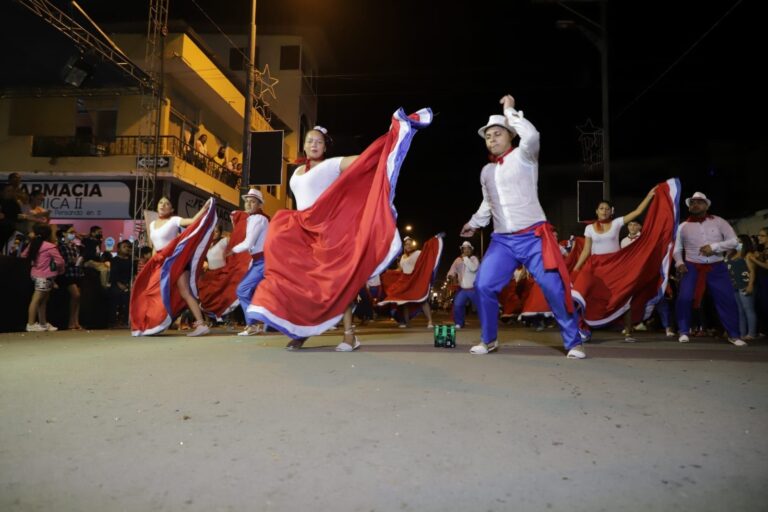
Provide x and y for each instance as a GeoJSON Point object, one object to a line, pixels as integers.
{"type": "Point", "coordinates": [500, 159]}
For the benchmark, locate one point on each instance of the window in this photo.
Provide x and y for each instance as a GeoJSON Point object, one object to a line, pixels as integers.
{"type": "Point", "coordinates": [272, 190]}
{"type": "Point", "coordinates": [290, 57]}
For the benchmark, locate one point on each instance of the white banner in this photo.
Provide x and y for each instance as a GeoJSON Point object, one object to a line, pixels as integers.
{"type": "Point", "coordinates": [83, 199]}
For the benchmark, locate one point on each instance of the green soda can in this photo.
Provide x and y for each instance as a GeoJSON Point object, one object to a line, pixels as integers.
{"type": "Point", "coordinates": [439, 337]}
{"type": "Point", "coordinates": [450, 337]}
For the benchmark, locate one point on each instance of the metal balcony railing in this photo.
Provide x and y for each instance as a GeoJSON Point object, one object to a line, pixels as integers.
{"type": "Point", "coordinates": [132, 145]}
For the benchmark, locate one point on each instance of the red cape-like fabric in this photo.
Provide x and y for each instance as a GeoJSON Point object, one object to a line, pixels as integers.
{"type": "Point", "coordinates": [316, 260]}
{"type": "Point", "coordinates": [513, 297]}
{"type": "Point", "coordinates": [400, 288]}
{"type": "Point", "coordinates": [155, 299]}
{"type": "Point", "coordinates": [535, 303]}
{"type": "Point", "coordinates": [634, 277]}
{"type": "Point", "coordinates": [218, 287]}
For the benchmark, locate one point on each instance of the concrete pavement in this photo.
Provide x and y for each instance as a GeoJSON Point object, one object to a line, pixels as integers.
{"type": "Point", "coordinates": [102, 421]}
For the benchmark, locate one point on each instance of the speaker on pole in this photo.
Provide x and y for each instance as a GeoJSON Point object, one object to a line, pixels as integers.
{"type": "Point", "coordinates": [266, 158]}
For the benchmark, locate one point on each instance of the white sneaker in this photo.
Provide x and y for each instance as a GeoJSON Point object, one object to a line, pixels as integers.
{"type": "Point", "coordinates": [670, 332]}
{"type": "Point", "coordinates": [346, 347]}
{"type": "Point", "coordinates": [629, 339]}
{"type": "Point", "coordinates": [48, 327]}
{"type": "Point", "coordinates": [430, 326]}
{"type": "Point", "coordinates": [577, 352]}
{"type": "Point", "coordinates": [484, 348]}
{"type": "Point", "coordinates": [641, 327]}
{"type": "Point", "coordinates": [683, 338]}
{"type": "Point", "coordinates": [250, 330]}
{"type": "Point", "coordinates": [457, 327]}
{"type": "Point", "coordinates": [402, 326]}
{"type": "Point", "coordinates": [200, 329]}
{"type": "Point", "coordinates": [738, 342]}
{"type": "Point", "coordinates": [35, 327]}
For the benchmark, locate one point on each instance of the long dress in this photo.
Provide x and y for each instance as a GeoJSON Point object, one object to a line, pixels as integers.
{"type": "Point", "coordinates": [534, 302]}
{"type": "Point", "coordinates": [218, 287]}
{"type": "Point", "coordinates": [317, 259]}
{"type": "Point", "coordinates": [634, 278]}
{"type": "Point", "coordinates": [155, 299]}
{"type": "Point", "coordinates": [401, 288]}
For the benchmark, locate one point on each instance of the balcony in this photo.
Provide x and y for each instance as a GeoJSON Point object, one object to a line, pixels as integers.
{"type": "Point", "coordinates": [56, 147]}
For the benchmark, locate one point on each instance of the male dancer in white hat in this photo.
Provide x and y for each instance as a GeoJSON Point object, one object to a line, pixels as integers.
{"type": "Point", "coordinates": [255, 234]}
{"type": "Point", "coordinates": [464, 269]}
{"type": "Point", "coordinates": [521, 232]}
{"type": "Point", "coordinates": [704, 238]}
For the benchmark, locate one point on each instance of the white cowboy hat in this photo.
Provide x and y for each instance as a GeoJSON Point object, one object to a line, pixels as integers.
{"type": "Point", "coordinates": [466, 244]}
{"type": "Point", "coordinates": [407, 238]}
{"type": "Point", "coordinates": [698, 195]}
{"type": "Point", "coordinates": [496, 121]}
{"type": "Point", "coordinates": [254, 193]}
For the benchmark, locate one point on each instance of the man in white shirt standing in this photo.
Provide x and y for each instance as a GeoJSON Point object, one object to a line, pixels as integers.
{"type": "Point", "coordinates": [634, 229]}
{"type": "Point", "coordinates": [704, 239]}
{"type": "Point", "coordinates": [464, 270]}
{"type": "Point", "coordinates": [255, 234]}
{"type": "Point", "coordinates": [521, 232]}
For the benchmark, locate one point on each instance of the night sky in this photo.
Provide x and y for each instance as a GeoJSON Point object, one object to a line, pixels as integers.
{"type": "Point", "coordinates": [686, 96]}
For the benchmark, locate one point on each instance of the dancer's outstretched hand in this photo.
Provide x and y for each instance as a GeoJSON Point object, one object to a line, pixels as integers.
{"type": "Point", "coordinates": [467, 231]}
{"type": "Point", "coordinates": [508, 101]}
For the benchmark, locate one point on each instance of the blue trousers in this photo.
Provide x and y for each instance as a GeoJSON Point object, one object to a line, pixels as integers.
{"type": "Point", "coordinates": [248, 285]}
{"type": "Point", "coordinates": [720, 287]}
{"type": "Point", "coordinates": [460, 304]}
{"type": "Point", "coordinates": [504, 255]}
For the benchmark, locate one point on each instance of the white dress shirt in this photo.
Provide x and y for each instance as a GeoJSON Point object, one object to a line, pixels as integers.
{"type": "Point", "coordinates": [510, 189]}
{"type": "Point", "coordinates": [629, 240]}
{"type": "Point", "coordinates": [692, 236]}
{"type": "Point", "coordinates": [465, 269]}
{"type": "Point", "coordinates": [255, 234]}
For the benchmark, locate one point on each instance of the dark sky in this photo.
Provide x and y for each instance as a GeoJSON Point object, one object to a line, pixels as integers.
{"type": "Point", "coordinates": [686, 93]}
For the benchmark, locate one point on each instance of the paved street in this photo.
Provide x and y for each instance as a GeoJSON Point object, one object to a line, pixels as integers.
{"type": "Point", "coordinates": [100, 421]}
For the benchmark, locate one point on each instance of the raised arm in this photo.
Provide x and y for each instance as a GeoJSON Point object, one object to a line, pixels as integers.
{"type": "Point", "coordinates": [529, 136]}
{"type": "Point", "coordinates": [346, 162]}
{"type": "Point", "coordinates": [640, 208]}
{"type": "Point", "coordinates": [186, 222]}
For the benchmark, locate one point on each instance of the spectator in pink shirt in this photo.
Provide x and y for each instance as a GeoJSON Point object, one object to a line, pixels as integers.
{"type": "Point", "coordinates": [47, 263]}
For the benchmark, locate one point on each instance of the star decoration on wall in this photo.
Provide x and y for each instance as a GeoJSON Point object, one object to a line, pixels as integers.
{"type": "Point", "coordinates": [265, 83]}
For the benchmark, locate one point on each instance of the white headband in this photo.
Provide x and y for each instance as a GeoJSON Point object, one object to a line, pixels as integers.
{"type": "Point", "coordinates": [320, 129]}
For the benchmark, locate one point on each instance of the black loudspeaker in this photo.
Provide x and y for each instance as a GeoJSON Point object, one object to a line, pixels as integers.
{"type": "Point", "coordinates": [588, 196]}
{"type": "Point", "coordinates": [266, 158]}
{"type": "Point", "coordinates": [76, 70]}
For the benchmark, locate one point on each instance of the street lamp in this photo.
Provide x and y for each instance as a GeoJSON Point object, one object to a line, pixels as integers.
{"type": "Point", "coordinates": [599, 38]}
{"type": "Point", "coordinates": [408, 228]}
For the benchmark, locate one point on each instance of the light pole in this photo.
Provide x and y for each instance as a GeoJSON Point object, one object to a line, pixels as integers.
{"type": "Point", "coordinates": [599, 38]}
{"type": "Point", "coordinates": [249, 69]}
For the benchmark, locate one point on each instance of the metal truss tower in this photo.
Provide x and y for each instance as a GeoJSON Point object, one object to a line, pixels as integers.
{"type": "Point", "coordinates": [151, 104]}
